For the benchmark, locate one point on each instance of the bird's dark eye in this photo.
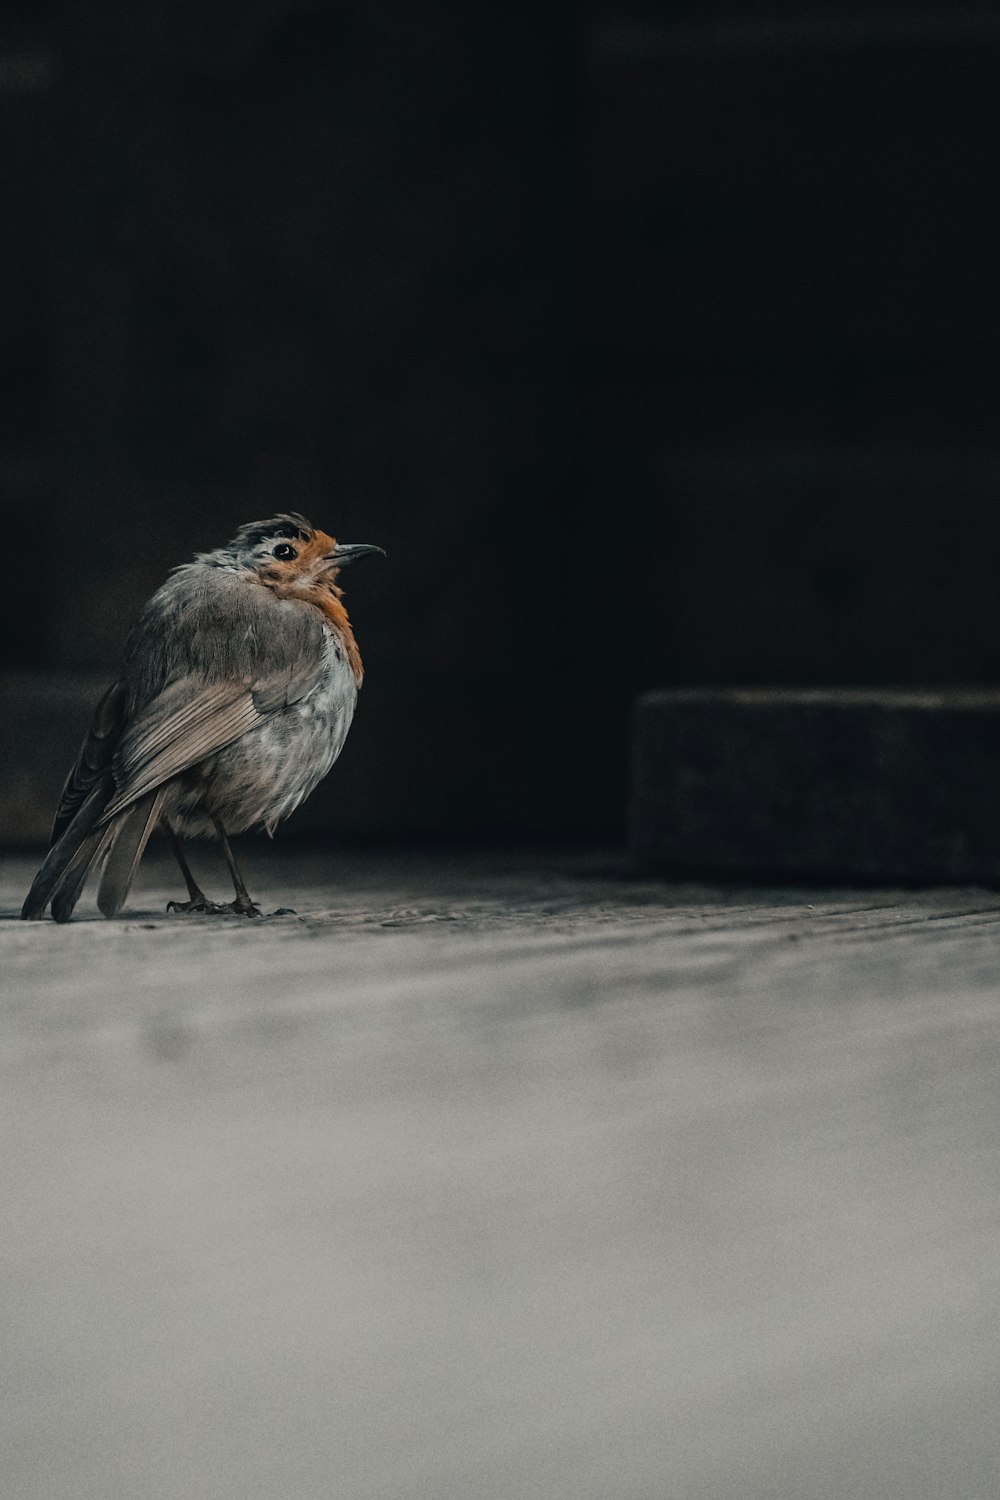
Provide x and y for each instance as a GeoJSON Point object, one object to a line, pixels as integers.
{"type": "Point", "coordinates": [284, 550]}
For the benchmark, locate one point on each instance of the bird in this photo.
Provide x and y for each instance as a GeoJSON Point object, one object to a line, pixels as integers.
{"type": "Point", "coordinates": [236, 691]}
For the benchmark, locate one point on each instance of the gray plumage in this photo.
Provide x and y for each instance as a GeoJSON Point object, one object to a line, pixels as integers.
{"type": "Point", "coordinates": [233, 700]}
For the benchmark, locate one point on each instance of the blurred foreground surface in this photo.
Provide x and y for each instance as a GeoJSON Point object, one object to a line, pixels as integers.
{"type": "Point", "coordinates": [501, 1177]}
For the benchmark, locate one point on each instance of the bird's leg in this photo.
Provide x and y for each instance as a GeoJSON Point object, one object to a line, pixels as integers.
{"type": "Point", "coordinates": [242, 905]}
{"type": "Point", "coordinates": [197, 901]}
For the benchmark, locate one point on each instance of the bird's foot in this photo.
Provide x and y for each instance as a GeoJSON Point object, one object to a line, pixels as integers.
{"type": "Point", "coordinates": [206, 908]}
{"type": "Point", "coordinates": [243, 908]}
{"type": "Point", "coordinates": [201, 907]}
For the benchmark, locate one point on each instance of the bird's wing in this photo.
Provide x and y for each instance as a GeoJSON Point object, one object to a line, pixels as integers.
{"type": "Point", "coordinates": [191, 719]}
{"type": "Point", "coordinates": [93, 764]}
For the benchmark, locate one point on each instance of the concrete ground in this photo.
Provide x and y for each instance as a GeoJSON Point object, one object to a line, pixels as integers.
{"type": "Point", "coordinates": [497, 1177]}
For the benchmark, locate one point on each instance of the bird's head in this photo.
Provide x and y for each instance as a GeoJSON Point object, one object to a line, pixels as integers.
{"type": "Point", "coordinates": [289, 555]}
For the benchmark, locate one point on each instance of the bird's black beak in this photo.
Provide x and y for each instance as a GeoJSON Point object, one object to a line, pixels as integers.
{"type": "Point", "coordinates": [348, 552]}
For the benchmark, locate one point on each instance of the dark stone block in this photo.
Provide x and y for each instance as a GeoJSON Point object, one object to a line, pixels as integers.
{"type": "Point", "coordinates": [491, 763]}
{"type": "Point", "coordinates": [45, 716]}
{"type": "Point", "coordinates": [873, 784]}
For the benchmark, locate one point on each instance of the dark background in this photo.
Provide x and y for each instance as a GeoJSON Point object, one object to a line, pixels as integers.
{"type": "Point", "coordinates": [657, 345]}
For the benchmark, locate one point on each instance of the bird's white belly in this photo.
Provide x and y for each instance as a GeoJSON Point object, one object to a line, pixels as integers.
{"type": "Point", "coordinates": [262, 777]}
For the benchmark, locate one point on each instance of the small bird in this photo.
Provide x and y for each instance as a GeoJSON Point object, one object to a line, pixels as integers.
{"type": "Point", "coordinates": [236, 691]}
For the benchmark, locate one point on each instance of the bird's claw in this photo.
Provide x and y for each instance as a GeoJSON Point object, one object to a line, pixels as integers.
{"type": "Point", "coordinates": [206, 908]}
{"type": "Point", "coordinates": [244, 909]}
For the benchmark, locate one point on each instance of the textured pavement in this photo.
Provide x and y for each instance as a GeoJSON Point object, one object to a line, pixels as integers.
{"type": "Point", "coordinates": [501, 1177]}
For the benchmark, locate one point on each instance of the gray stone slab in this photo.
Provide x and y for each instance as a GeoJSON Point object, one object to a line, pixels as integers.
{"type": "Point", "coordinates": [501, 1177]}
{"type": "Point", "coordinates": [830, 784]}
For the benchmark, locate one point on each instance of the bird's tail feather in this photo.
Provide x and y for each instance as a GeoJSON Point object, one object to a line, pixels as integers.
{"type": "Point", "coordinates": [67, 892]}
{"type": "Point", "coordinates": [131, 830]}
{"type": "Point", "coordinates": [64, 852]}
